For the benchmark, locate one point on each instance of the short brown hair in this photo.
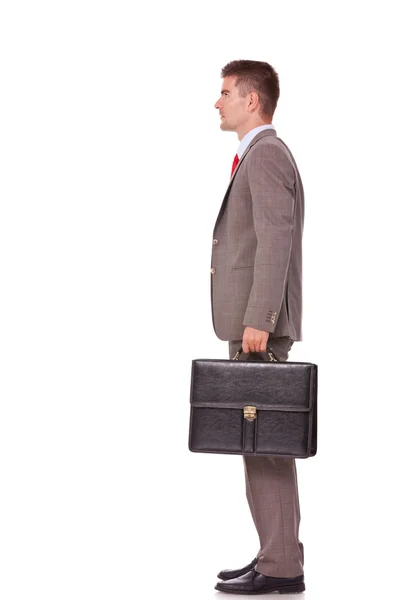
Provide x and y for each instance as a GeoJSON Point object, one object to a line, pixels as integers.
{"type": "Point", "coordinates": [254, 75]}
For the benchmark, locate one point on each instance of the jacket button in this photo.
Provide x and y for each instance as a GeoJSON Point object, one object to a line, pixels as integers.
{"type": "Point", "coordinates": [212, 271]}
{"type": "Point", "coordinates": [215, 242]}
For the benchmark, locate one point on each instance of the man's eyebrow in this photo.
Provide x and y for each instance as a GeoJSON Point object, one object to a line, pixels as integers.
{"type": "Point", "coordinates": [225, 91]}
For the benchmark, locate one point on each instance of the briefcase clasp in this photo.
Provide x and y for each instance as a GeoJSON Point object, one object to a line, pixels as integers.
{"type": "Point", "coordinates": [250, 412]}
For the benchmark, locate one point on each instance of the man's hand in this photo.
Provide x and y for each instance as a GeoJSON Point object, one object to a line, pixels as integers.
{"type": "Point", "coordinates": [254, 340]}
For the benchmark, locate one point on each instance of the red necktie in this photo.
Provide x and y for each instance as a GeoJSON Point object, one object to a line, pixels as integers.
{"type": "Point", "coordinates": [235, 162]}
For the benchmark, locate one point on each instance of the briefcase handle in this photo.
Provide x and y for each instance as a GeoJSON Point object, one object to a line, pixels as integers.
{"type": "Point", "coordinates": [269, 352]}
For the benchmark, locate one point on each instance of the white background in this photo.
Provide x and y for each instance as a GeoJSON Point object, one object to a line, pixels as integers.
{"type": "Point", "coordinates": [113, 170]}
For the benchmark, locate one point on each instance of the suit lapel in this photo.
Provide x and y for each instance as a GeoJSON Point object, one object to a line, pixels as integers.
{"type": "Point", "coordinates": [254, 141]}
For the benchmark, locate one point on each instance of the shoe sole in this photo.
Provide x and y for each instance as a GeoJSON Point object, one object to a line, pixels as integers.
{"type": "Point", "coordinates": [285, 589]}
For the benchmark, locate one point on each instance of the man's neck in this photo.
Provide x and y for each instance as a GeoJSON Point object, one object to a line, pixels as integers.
{"type": "Point", "coordinates": [251, 126]}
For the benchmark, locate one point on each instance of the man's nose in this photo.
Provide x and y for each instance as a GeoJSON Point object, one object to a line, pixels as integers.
{"type": "Point", "coordinates": [217, 104]}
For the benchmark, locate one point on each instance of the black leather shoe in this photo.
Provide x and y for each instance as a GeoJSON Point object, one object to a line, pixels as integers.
{"type": "Point", "coordinates": [233, 573]}
{"type": "Point", "coordinates": [257, 583]}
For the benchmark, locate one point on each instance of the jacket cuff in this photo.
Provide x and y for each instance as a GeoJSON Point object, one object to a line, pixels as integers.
{"type": "Point", "coordinates": [266, 322]}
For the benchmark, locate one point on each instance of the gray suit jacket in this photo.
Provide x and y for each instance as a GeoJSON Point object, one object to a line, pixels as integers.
{"type": "Point", "coordinates": [256, 267]}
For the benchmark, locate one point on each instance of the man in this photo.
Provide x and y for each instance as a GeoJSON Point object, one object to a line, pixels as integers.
{"type": "Point", "coordinates": [256, 288]}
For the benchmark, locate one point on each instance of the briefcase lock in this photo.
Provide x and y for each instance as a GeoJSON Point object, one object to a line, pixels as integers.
{"type": "Point", "coordinates": [250, 412]}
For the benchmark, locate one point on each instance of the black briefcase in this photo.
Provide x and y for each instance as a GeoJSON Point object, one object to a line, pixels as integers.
{"type": "Point", "coordinates": [255, 408]}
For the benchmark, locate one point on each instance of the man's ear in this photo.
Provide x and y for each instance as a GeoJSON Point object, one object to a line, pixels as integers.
{"type": "Point", "coordinates": [253, 102]}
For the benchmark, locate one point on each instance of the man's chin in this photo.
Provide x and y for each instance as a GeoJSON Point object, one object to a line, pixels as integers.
{"type": "Point", "coordinates": [224, 126]}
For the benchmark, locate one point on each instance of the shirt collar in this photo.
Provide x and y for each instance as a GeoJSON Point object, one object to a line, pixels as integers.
{"type": "Point", "coordinates": [249, 137]}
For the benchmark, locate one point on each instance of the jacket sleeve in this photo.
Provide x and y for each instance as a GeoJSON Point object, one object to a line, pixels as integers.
{"type": "Point", "coordinates": [272, 186]}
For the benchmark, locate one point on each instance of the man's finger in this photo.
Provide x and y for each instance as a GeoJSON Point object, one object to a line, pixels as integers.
{"type": "Point", "coordinates": [245, 346]}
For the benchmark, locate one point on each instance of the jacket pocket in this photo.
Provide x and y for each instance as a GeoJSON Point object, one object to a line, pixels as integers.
{"type": "Point", "coordinates": [245, 267]}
